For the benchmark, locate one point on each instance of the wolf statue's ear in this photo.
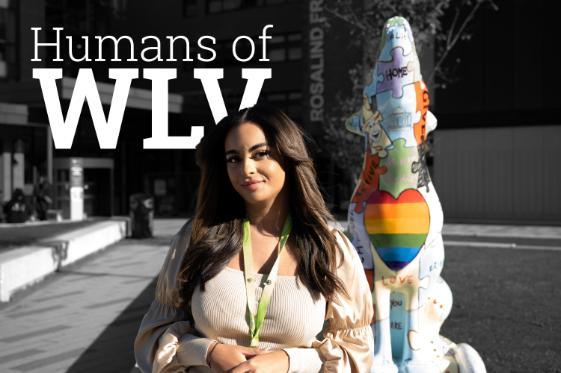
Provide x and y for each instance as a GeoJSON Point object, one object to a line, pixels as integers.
{"type": "Point", "coordinates": [369, 90]}
{"type": "Point", "coordinates": [431, 122]}
{"type": "Point", "coordinates": [354, 123]}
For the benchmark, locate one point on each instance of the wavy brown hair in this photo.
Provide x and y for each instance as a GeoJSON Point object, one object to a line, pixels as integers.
{"type": "Point", "coordinates": [216, 234]}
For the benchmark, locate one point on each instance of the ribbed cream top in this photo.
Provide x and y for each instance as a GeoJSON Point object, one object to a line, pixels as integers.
{"type": "Point", "coordinates": [167, 342]}
{"type": "Point", "coordinates": [293, 318]}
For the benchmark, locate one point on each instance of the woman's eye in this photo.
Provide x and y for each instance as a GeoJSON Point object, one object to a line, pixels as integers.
{"type": "Point", "coordinates": [232, 160]}
{"type": "Point", "coordinates": [262, 154]}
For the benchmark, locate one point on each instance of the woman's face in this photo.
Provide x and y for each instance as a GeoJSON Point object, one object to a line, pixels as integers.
{"type": "Point", "coordinates": [252, 165]}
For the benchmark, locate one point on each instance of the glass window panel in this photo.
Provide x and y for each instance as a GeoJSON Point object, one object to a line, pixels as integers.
{"type": "Point", "coordinates": [295, 96]}
{"type": "Point", "coordinates": [3, 22]}
{"type": "Point", "coordinates": [295, 37]}
{"type": "Point", "coordinates": [189, 8]}
{"type": "Point", "coordinates": [295, 53]}
{"type": "Point", "coordinates": [277, 39]}
{"type": "Point", "coordinates": [214, 6]}
{"type": "Point", "coordinates": [276, 55]}
{"type": "Point", "coordinates": [294, 111]}
{"type": "Point", "coordinates": [276, 97]}
{"type": "Point", "coordinates": [251, 3]}
{"type": "Point", "coordinates": [232, 4]}
{"type": "Point", "coordinates": [190, 11]}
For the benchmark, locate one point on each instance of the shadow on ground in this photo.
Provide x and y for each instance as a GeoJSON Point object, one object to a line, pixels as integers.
{"type": "Point", "coordinates": [112, 351]}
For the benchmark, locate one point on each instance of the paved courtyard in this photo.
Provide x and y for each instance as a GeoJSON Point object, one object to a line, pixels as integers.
{"type": "Point", "coordinates": [84, 318]}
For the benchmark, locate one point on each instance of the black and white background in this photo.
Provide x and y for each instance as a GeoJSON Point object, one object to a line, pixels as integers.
{"type": "Point", "coordinates": [492, 71]}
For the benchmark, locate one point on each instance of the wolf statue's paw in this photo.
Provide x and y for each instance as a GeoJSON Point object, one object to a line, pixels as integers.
{"type": "Point", "coordinates": [424, 366]}
{"type": "Point", "coordinates": [382, 365]}
{"type": "Point", "coordinates": [468, 359]}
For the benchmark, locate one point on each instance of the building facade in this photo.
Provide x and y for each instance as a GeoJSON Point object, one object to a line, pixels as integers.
{"type": "Point", "coordinates": [494, 155]}
{"type": "Point", "coordinates": [497, 148]}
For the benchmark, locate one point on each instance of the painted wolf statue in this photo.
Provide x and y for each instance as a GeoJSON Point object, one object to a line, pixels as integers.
{"type": "Point", "coordinates": [395, 217]}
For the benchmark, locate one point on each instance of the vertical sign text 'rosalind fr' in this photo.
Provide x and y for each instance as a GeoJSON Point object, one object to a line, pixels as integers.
{"type": "Point", "coordinates": [85, 88]}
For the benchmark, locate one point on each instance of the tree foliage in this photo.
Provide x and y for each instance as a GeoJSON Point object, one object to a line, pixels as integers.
{"type": "Point", "coordinates": [438, 26]}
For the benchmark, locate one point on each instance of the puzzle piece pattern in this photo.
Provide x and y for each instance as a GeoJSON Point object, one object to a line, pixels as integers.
{"type": "Point", "coordinates": [395, 74]}
{"type": "Point", "coordinates": [412, 300]}
{"type": "Point", "coordinates": [369, 181]}
{"type": "Point", "coordinates": [399, 175]}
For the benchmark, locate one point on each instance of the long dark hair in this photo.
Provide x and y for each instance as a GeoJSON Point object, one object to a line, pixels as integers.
{"type": "Point", "coordinates": [216, 234]}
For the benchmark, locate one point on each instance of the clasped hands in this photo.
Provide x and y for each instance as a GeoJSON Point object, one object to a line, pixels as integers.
{"type": "Point", "coordinates": [240, 359]}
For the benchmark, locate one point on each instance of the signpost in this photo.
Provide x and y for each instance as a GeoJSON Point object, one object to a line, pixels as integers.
{"type": "Point", "coordinates": [76, 189]}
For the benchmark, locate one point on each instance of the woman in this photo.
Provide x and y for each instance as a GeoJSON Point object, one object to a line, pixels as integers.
{"type": "Point", "coordinates": [249, 282]}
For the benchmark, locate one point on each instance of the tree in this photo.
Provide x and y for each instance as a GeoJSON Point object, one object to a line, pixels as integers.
{"type": "Point", "coordinates": [438, 27]}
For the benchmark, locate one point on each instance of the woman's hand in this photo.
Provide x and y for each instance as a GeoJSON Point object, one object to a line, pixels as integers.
{"type": "Point", "coordinates": [274, 362]}
{"type": "Point", "coordinates": [224, 357]}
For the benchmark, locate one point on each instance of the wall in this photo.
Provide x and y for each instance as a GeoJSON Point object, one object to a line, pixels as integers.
{"type": "Point", "coordinates": [499, 174]}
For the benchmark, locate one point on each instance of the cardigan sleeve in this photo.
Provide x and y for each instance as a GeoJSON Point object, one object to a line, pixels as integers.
{"type": "Point", "coordinates": [166, 340]}
{"type": "Point", "coordinates": [348, 341]}
{"type": "Point", "coordinates": [167, 343]}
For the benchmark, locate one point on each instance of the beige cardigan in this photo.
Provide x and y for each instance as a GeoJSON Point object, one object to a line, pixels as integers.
{"type": "Point", "coordinates": [166, 342]}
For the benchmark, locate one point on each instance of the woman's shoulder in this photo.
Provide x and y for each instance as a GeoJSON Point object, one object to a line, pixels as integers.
{"type": "Point", "coordinates": [349, 265]}
{"type": "Point", "coordinates": [179, 246]}
{"type": "Point", "coordinates": [356, 304]}
{"type": "Point", "coordinates": [346, 249]}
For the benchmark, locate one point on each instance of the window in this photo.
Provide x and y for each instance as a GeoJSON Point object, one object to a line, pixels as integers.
{"type": "Point", "coordinates": [285, 47]}
{"type": "Point", "coordinates": [3, 72]}
{"type": "Point", "coordinates": [190, 8]}
{"type": "Point", "coordinates": [8, 66]}
{"type": "Point", "coordinates": [280, 48]}
{"type": "Point", "coordinates": [289, 102]}
{"type": "Point", "coordinates": [219, 6]}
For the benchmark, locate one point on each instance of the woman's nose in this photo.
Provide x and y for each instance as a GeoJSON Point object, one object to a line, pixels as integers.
{"type": "Point", "coordinates": [248, 167]}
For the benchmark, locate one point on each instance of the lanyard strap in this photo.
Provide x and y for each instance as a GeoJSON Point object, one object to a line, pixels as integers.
{"type": "Point", "coordinates": [267, 283]}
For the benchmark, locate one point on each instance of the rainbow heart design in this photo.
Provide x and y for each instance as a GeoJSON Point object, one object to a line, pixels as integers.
{"type": "Point", "coordinates": [397, 227]}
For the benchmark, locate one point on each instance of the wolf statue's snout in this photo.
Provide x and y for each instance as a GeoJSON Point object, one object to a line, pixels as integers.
{"type": "Point", "coordinates": [395, 217]}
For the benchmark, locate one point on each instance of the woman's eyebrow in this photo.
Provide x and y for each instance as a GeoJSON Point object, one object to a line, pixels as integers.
{"type": "Point", "coordinates": [256, 146]}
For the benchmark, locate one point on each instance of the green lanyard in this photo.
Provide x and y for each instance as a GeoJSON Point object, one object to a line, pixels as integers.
{"type": "Point", "coordinates": [267, 283]}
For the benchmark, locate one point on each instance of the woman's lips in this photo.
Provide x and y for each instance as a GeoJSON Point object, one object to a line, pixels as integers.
{"type": "Point", "coordinates": [252, 186]}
